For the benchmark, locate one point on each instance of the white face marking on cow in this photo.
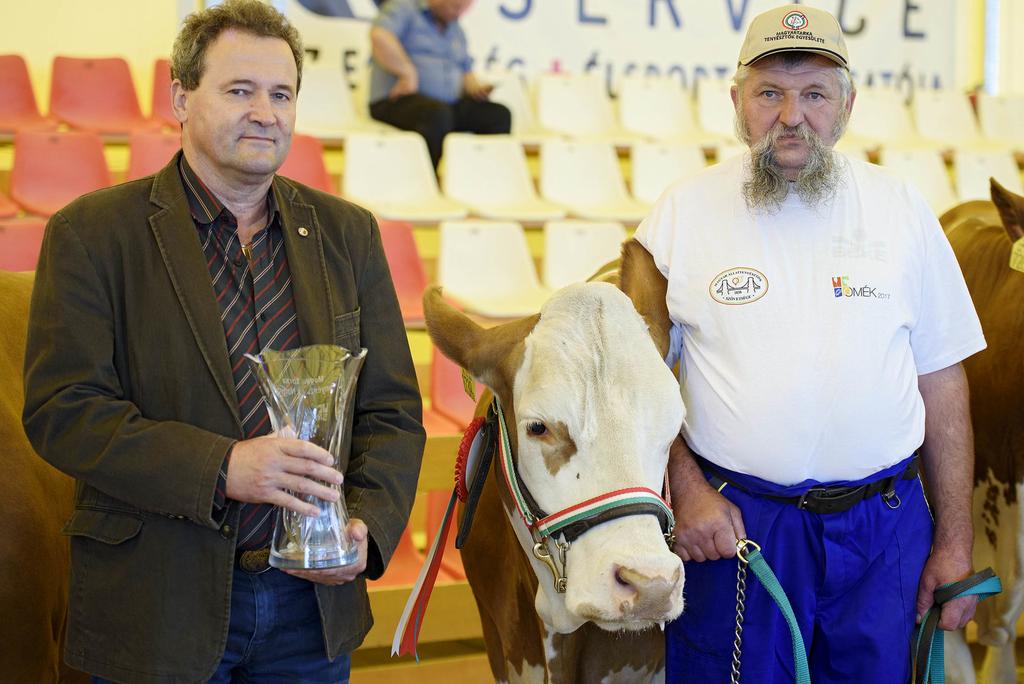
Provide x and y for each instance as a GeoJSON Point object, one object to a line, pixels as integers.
{"type": "Point", "coordinates": [590, 365]}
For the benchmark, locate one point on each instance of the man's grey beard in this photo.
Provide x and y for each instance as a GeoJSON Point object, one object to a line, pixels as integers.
{"type": "Point", "coordinates": [767, 188]}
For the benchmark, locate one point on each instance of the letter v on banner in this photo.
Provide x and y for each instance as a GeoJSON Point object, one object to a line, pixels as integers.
{"type": "Point", "coordinates": [737, 19]}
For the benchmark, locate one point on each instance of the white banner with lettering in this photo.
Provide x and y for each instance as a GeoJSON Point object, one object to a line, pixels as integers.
{"type": "Point", "coordinates": [908, 44]}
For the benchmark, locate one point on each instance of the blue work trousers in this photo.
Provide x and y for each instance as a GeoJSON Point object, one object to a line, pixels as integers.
{"type": "Point", "coordinates": [851, 577]}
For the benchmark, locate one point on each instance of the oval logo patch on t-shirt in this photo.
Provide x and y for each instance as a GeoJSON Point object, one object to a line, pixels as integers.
{"type": "Point", "coordinates": [740, 285]}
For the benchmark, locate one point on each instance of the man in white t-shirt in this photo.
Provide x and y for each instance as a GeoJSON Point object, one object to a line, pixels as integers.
{"type": "Point", "coordinates": [819, 319]}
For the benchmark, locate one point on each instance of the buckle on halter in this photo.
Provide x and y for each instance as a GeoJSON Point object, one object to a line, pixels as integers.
{"type": "Point", "coordinates": [541, 553]}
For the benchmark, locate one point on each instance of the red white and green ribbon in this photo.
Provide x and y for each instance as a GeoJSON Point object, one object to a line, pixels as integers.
{"type": "Point", "coordinates": [508, 469]}
{"type": "Point", "coordinates": [407, 633]}
{"type": "Point", "coordinates": [591, 508]}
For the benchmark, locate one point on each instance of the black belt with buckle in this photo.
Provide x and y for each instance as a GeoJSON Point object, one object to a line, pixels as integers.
{"type": "Point", "coordinates": [825, 498]}
{"type": "Point", "coordinates": [252, 561]}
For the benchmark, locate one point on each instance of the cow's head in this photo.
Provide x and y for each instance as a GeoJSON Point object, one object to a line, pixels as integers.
{"type": "Point", "coordinates": [591, 408]}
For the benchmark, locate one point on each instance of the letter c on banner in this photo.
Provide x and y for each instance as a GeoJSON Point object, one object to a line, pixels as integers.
{"type": "Point", "coordinates": [841, 16]}
{"type": "Point", "coordinates": [516, 16]}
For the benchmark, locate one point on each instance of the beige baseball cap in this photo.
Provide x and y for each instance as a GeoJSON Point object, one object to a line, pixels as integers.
{"type": "Point", "coordinates": [792, 28]}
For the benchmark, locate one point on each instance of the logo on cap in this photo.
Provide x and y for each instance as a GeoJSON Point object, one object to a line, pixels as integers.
{"type": "Point", "coordinates": [795, 21]}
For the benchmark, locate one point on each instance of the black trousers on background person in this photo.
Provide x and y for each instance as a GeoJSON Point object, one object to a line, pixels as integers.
{"type": "Point", "coordinates": [434, 119]}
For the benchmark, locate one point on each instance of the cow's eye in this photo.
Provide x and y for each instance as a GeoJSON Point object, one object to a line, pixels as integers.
{"type": "Point", "coordinates": [536, 428]}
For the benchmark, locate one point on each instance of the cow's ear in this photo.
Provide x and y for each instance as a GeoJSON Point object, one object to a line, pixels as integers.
{"type": "Point", "coordinates": [644, 284]}
{"type": "Point", "coordinates": [491, 355]}
{"type": "Point", "coordinates": [1011, 209]}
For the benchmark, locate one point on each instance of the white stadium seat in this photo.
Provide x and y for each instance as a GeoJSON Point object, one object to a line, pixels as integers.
{"type": "Point", "coordinates": [926, 171]}
{"type": "Point", "coordinates": [488, 173]}
{"type": "Point", "coordinates": [325, 108]}
{"type": "Point", "coordinates": [974, 168]}
{"type": "Point", "coordinates": [715, 111]}
{"type": "Point", "coordinates": [510, 90]}
{"type": "Point", "coordinates": [586, 178]}
{"type": "Point", "coordinates": [880, 117]}
{"type": "Point", "coordinates": [944, 117]}
{"type": "Point", "coordinates": [487, 267]}
{"type": "Point", "coordinates": [574, 250]}
{"type": "Point", "coordinates": [391, 175]}
{"type": "Point", "coordinates": [655, 166]}
{"type": "Point", "coordinates": [578, 107]}
{"type": "Point", "coordinates": [658, 108]}
{"type": "Point", "coordinates": [1001, 118]}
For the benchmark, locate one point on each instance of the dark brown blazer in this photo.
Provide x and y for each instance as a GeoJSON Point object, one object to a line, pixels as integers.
{"type": "Point", "coordinates": [128, 388]}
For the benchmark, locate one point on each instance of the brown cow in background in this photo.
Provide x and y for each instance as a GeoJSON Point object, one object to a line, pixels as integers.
{"type": "Point", "coordinates": [996, 377]}
{"type": "Point", "coordinates": [37, 499]}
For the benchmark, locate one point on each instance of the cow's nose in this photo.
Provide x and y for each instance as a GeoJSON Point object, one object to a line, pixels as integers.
{"type": "Point", "coordinates": [644, 594]}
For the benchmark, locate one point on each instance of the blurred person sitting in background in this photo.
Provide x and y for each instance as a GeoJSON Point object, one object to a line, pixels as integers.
{"type": "Point", "coordinates": [421, 78]}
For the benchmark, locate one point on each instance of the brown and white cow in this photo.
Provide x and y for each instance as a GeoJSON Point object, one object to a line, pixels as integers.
{"type": "Point", "coordinates": [591, 408]}
{"type": "Point", "coordinates": [37, 499]}
{"type": "Point", "coordinates": [982, 234]}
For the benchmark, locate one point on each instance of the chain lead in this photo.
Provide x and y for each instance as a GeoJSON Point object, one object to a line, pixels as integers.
{"type": "Point", "coordinates": [741, 597]}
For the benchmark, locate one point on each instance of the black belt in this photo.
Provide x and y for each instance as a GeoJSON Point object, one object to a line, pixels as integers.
{"type": "Point", "coordinates": [825, 498]}
{"type": "Point", "coordinates": [252, 561]}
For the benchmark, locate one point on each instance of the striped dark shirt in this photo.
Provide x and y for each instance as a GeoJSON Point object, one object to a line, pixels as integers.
{"type": "Point", "coordinates": [258, 312]}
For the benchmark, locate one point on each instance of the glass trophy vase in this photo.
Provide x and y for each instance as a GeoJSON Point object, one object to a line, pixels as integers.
{"type": "Point", "coordinates": [311, 389]}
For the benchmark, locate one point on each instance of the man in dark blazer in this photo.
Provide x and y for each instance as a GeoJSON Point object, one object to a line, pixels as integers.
{"type": "Point", "coordinates": [147, 295]}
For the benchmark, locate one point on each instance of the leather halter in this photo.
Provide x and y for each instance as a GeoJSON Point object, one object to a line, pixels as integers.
{"type": "Point", "coordinates": [573, 521]}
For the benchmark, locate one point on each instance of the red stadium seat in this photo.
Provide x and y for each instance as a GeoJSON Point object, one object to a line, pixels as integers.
{"type": "Point", "coordinates": [404, 566]}
{"type": "Point", "coordinates": [18, 110]}
{"type": "Point", "coordinates": [436, 424]}
{"type": "Point", "coordinates": [161, 102]}
{"type": "Point", "coordinates": [20, 240]}
{"type": "Point", "coordinates": [8, 209]}
{"type": "Point", "coordinates": [406, 269]}
{"type": "Point", "coordinates": [305, 163]}
{"type": "Point", "coordinates": [96, 95]}
{"type": "Point", "coordinates": [149, 151]}
{"type": "Point", "coordinates": [448, 394]}
{"type": "Point", "coordinates": [51, 169]}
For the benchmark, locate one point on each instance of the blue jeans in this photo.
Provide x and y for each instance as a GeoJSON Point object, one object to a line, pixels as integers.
{"type": "Point", "coordinates": [851, 578]}
{"type": "Point", "coordinates": [275, 634]}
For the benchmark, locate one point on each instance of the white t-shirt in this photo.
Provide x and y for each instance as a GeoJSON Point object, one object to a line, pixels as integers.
{"type": "Point", "coordinates": [803, 332]}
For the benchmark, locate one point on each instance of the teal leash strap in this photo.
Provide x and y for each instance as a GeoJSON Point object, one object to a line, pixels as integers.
{"type": "Point", "coordinates": [928, 647]}
{"type": "Point", "coordinates": [763, 572]}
